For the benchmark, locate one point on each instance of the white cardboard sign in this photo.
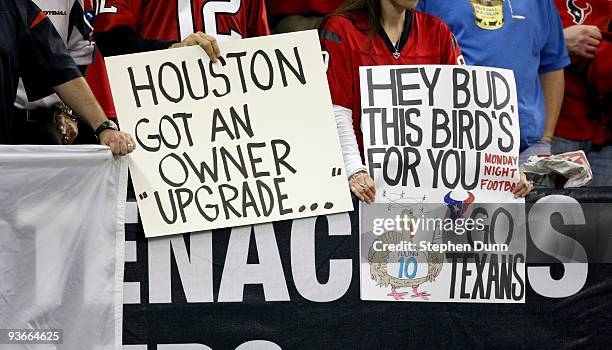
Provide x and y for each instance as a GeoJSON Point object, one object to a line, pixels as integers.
{"type": "Point", "coordinates": [249, 139]}
{"type": "Point", "coordinates": [439, 142]}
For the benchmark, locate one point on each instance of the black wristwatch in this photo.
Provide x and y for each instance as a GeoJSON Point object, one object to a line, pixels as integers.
{"type": "Point", "coordinates": [109, 124]}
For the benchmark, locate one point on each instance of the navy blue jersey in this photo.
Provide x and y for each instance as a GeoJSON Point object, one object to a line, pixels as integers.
{"type": "Point", "coordinates": [30, 48]}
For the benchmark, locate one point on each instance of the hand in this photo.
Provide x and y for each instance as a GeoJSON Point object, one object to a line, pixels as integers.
{"type": "Point", "coordinates": [523, 188]}
{"type": "Point", "coordinates": [206, 42]}
{"type": "Point", "coordinates": [120, 143]}
{"type": "Point", "coordinates": [582, 40]}
{"type": "Point", "coordinates": [68, 128]}
{"type": "Point", "coordinates": [363, 187]}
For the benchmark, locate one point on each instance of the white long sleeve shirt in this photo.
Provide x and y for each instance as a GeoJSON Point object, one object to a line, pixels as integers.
{"type": "Point", "coordinates": [348, 140]}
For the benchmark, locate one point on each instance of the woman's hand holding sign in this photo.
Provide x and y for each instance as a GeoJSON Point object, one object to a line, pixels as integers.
{"type": "Point", "coordinates": [363, 186]}
{"type": "Point", "coordinates": [205, 41]}
{"type": "Point", "coordinates": [523, 188]}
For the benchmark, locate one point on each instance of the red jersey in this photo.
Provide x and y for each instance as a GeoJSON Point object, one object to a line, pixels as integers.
{"type": "Point", "coordinates": [289, 7]}
{"type": "Point", "coordinates": [579, 119]}
{"type": "Point", "coordinates": [96, 72]}
{"type": "Point", "coordinates": [349, 45]}
{"type": "Point", "coordinates": [97, 79]}
{"type": "Point", "coordinates": [173, 20]}
{"type": "Point", "coordinates": [176, 19]}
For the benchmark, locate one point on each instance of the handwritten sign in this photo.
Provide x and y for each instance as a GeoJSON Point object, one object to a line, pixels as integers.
{"type": "Point", "coordinates": [426, 252]}
{"type": "Point", "coordinates": [442, 144]}
{"type": "Point", "coordinates": [429, 130]}
{"type": "Point", "coordinates": [249, 139]}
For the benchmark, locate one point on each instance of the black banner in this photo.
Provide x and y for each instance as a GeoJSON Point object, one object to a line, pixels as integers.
{"type": "Point", "coordinates": [295, 285]}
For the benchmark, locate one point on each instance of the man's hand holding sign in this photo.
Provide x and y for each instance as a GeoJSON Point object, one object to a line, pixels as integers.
{"type": "Point", "coordinates": [228, 143]}
{"type": "Point", "coordinates": [207, 42]}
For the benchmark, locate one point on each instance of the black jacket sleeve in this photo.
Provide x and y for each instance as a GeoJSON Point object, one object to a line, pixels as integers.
{"type": "Point", "coordinates": [123, 40]}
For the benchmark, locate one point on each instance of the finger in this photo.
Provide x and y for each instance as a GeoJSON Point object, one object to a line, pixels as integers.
{"type": "Point", "coordinates": [371, 185]}
{"type": "Point", "coordinates": [369, 194]}
{"type": "Point", "coordinates": [588, 55]}
{"type": "Point", "coordinates": [191, 40]}
{"type": "Point", "coordinates": [521, 190]}
{"type": "Point", "coordinates": [590, 49]}
{"type": "Point", "coordinates": [357, 193]}
{"type": "Point", "coordinates": [214, 43]}
{"type": "Point", "coordinates": [206, 44]}
{"type": "Point", "coordinates": [203, 42]}
{"type": "Point", "coordinates": [361, 184]}
{"type": "Point", "coordinates": [592, 42]}
{"type": "Point", "coordinates": [133, 142]}
{"type": "Point", "coordinates": [209, 50]}
{"type": "Point", "coordinates": [519, 187]}
{"type": "Point", "coordinates": [594, 32]}
{"type": "Point", "coordinates": [114, 148]}
{"type": "Point", "coordinates": [522, 194]}
{"type": "Point", "coordinates": [357, 189]}
{"type": "Point", "coordinates": [124, 147]}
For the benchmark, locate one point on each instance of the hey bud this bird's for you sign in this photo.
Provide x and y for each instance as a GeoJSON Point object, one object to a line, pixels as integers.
{"type": "Point", "coordinates": [246, 140]}
{"type": "Point", "coordinates": [435, 129]}
{"type": "Point", "coordinates": [442, 145]}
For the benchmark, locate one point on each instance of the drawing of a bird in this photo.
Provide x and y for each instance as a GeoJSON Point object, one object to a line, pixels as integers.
{"type": "Point", "coordinates": [379, 261]}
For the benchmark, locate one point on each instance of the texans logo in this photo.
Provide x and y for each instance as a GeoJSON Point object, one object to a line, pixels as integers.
{"type": "Point", "coordinates": [578, 13]}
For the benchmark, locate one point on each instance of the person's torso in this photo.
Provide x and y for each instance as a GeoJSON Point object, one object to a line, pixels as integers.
{"type": "Point", "coordinates": [420, 48]}
{"type": "Point", "coordinates": [423, 46]}
{"type": "Point", "coordinates": [495, 35]}
{"type": "Point", "coordinates": [580, 116]}
{"type": "Point", "coordinates": [507, 34]}
{"type": "Point", "coordinates": [174, 20]}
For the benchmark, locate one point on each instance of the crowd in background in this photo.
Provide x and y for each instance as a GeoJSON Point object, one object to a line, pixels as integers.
{"type": "Point", "coordinates": [560, 52]}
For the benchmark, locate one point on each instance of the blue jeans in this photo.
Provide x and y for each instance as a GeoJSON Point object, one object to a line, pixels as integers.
{"type": "Point", "coordinates": [600, 158]}
{"type": "Point", "coordinates": [540, 148]}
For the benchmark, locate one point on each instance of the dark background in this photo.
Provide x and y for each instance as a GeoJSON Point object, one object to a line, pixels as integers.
{"type": "Point", "coordinates": [582, 321]}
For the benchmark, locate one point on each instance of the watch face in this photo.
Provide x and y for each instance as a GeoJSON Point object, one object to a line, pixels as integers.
{"type": "Point", "coordinates": [109, 124]}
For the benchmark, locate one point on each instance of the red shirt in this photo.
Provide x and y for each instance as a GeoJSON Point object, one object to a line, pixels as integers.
{"type": "Point", "coordinates": [97, 79]}
{"type": "Point", "coordinates": [579, 119]}
{"type": "Point", "coordinates": [160, 19]}
{"type": "Point", "coordinates": [425, 40]}
{"type": "Point", "coordinates": [292, 7]}
{"type": "Point", "coordinates": [176, 19]}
